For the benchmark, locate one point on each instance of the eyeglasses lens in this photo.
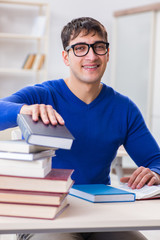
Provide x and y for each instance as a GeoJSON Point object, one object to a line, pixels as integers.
{"type": "Point", "coordinates": [82, 49]}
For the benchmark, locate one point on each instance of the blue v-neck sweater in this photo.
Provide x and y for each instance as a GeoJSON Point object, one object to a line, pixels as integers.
{"type": "Point", "coordinates": [99, 129]}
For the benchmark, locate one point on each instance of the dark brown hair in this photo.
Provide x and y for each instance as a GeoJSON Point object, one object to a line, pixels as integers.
{"type": "Point", "coordinates": [86, 24]}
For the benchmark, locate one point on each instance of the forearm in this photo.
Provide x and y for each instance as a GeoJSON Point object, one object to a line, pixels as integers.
{"type": "Point", "coordinates": [8, 114]}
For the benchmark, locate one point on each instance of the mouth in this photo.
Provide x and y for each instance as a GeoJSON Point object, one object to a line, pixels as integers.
{"type": "Point", "coordinates": [90, 67]}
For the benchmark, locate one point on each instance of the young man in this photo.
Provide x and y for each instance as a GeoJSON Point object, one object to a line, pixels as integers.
{"type": "Point", "coordinates": [99, 118]}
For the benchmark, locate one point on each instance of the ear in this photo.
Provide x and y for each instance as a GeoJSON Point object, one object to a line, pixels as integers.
{"type": "Point", "coordinates": [65, 57]}
{"type": "Point", "coordinates": [108, 55]}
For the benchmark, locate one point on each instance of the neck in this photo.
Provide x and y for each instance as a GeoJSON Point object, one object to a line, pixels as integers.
{"type": "Point", "coordinates": [86, 92]}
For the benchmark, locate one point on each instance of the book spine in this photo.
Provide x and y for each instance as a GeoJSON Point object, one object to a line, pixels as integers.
{"type": "Point", "coordinates": [26, 131]}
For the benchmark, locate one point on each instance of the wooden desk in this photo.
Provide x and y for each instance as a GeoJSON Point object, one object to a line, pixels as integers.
{"type": "Point", "coordinates": [83, 216]}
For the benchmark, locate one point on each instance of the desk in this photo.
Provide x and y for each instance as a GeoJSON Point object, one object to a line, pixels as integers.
{"type": "Point", "coordinates": [83, 216]}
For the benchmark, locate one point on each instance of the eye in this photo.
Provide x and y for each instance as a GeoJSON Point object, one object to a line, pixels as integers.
{"type": "Point", "coordinates": [80, 48]}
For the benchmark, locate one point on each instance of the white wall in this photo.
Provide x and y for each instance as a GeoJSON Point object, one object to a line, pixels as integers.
{"type": "Point", "coordinates": [63, 11]}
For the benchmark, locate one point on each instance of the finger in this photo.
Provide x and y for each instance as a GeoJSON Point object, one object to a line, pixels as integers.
{"type": "Point", "coordinates": [152, 181]}
{"type": "Point", "coordinates": [59, 118]}
{"type": "Point", "coordinates": [134, 175]}
{"type": "Point", "coordinates": [142, 178]}
{"type": "Point", "coordinates": [124, 179]}
{"type": "Point", "coordinates": [44, 113]}
{"type": "Point", "coordinates": [35, 112]}
{"type": "Point", "coordinates": [53, 116]}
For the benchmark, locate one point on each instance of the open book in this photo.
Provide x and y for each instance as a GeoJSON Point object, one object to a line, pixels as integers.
{"type": "Point", "coordinates": [146, 192]}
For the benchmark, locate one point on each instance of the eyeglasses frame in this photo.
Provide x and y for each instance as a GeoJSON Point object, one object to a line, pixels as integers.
{"type": "Point", "coordinates": [89, 46]}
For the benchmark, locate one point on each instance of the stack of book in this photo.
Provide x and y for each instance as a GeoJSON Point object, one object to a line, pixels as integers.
{"type": "Point", "coordinates": [29, 187]}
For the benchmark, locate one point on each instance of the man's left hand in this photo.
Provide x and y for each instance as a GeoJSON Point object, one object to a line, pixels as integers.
{"type": "Point", "coordinates": [140, 177]}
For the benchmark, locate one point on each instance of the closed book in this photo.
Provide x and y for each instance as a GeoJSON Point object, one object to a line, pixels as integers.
{"type": "Point", "coordinates": [31, 197]}
{"type": "Point", "coordinates": [44, 135]}
{"type": "Point", "coordinates": [27, 156]}
{"type": "Point", "coordinates": [20, 146]}
{"type": "Point", "coordinates": [36, 164]}
{"type": "Point", "coordinates": [146, 192]}
{"type": "Point", "coordinates": [57, 180]}
{"type": "Point", "coordinates": [25, 171]}
{"type": "Point", "coordinates": [32, 210]}
{"type": "Point", "coordinates": [101, 193]}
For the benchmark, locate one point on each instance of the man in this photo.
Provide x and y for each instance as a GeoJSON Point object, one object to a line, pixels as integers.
{"type": "Point", "coordinates": [99, 118]}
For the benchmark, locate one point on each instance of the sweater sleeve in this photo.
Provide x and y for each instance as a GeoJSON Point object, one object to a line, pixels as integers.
{"type": "Point", "coordinates": [10, 106]}
{"type": "Point", "coordinates": [139, 142]}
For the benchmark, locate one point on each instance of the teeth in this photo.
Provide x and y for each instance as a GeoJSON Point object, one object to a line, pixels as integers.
{"type": "Point", "coordinates": [90, 66]}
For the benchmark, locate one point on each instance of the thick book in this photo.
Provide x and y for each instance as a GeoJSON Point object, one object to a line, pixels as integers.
{"type": "Point", "coordinates": [27, 156]}
{"type": "Point", "coordinates": [101, 193]}
{"type": "Point", "coordinates": [32, 210]}
{"type": "Point", "coordinates": [36, 164]}
{"type": "Point", "coordinates": [20, 146]}
{"type": "Point", "coordinates": [31, 197]}
{"type": "Point", "coordinates": [57, 180]}
{"type": "Point", "coordinates": [146, 192]}
{"type": "Point", "coordinates": [40, 172]}
{"type": "Point", "coordinates": [44, 134]}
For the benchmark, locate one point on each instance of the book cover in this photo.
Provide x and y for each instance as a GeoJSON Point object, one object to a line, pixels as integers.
{"type": "Point", "coordinates": [57, 180]}
{"type": "Point", "coordinates": [45, 135]}
{"type": "Point", "coordinates": [31, 197]}
{"type": "Point", "coordinates": [146, 192]}
{"type": "Point", "coordinates": [27, 156]}
{"type": "Point", "coordinates": [32, 210]}
{"type": "Point", "coordinates": [101, 193]}
{"type": "Point", "coordinates": [20, 146]}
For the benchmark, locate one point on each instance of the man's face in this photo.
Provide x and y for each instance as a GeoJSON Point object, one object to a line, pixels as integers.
{"type": "Point", "coordinates": [89, 68]}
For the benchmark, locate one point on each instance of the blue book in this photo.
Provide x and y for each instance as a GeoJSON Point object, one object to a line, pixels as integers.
{"type": "Point", "coordinates": [101, 193]}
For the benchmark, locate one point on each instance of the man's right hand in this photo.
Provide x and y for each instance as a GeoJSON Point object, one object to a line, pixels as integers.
{"type": "Point", "coordinates": [45, 112]}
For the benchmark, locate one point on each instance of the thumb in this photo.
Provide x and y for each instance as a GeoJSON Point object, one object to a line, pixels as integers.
{"type": "Point", "coordinates": [124, 179]}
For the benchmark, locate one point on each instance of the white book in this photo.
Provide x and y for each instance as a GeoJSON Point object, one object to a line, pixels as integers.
{"type": "Point", "coordinates": [36, 164]}
{"type": "Point", "coordinates": [146, 192]}
{"type": "Point", "coordinates": [20, 146]}
{"type": "Point", "coordinates": [25, 172]}
{"type": "Point", "coordinates": [27, 156]}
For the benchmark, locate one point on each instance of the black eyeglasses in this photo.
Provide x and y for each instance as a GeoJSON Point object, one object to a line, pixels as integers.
{"type": "Point", "coordinates": [81, 49]}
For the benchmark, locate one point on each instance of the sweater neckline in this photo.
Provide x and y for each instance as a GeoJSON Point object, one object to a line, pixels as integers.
{"type": "Point", "coordinates": [77, 100]}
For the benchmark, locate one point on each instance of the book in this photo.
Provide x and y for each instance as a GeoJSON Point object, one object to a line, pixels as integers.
{"type": "Point", "coordinates": [31, 197]}
{"type": "Point", "coordinates": [25, 171]}
{"type": "Point", "coordinates": [146, 192]}
{"type": "Point", "coordinates": [36, 164]}
{"type": "Point", "coordinates": [29, 61]}
{"type": "Point", "coordinates": [32, 210]}
{"type": "Point", "coordinates": [38, 61]}
{"type": "Point", "coordinates": [44, 135]}
{"type": "Point", "coordinates": [20, 146]}
{"type": "Point", "coordinates": [27, 156]}
{"type": "Point", "coordinates": [57, 180]}
{"type": "Point", "coordinates": [97, 193]}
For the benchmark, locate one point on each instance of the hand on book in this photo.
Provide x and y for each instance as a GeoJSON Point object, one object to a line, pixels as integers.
{"type": "Point", "coordinates": [45, 112]}
{"type": "Point", "coordinates": [140, 177]}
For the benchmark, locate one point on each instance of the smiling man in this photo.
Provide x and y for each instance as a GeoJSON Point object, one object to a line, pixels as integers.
{"type": "Point", "coordinates": [100, 119]}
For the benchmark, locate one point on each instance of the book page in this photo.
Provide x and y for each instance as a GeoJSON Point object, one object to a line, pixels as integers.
{"type": "Point", "coordinates": [145, 192]}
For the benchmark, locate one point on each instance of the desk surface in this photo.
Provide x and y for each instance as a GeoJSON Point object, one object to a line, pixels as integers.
{"type": "Point", "coordinates": [83, 216]}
